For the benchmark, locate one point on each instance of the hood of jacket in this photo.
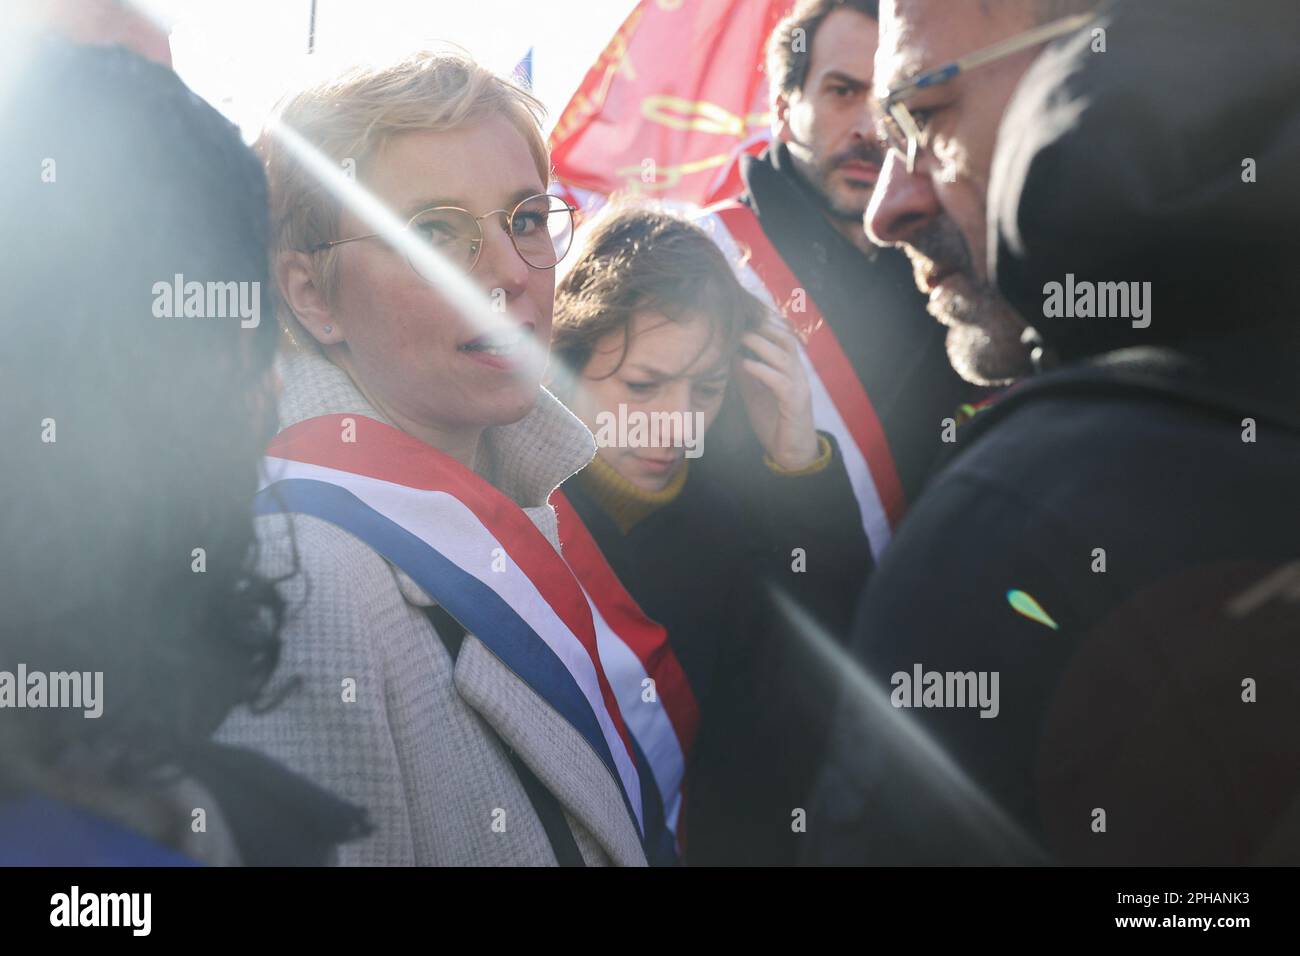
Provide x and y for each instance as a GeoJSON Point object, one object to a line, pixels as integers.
{"type": "Point", "coordinates": [1169, 159]}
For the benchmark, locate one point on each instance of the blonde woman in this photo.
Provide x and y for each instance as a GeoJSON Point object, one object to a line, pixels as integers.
{"type": "Point", "coordinates": [448, 676]}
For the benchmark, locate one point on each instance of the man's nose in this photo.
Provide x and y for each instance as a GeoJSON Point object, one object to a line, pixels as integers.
{"type": "Point", "coordinates": [864, 124]}
{"type": "Point", "coordinates": [901, 203]}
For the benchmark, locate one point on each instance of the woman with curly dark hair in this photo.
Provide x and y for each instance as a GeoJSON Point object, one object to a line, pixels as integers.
{"type": "Point", "coordinates": [652, 326]}
{"type": "Point", "coordinates": [132, 427]}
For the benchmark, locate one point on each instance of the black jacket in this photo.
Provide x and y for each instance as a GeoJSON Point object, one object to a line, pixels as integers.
{"type": "Point", "coordinates": [763, 751]}
{"type": "Point", "coordinates": [873, 307]}
{"type": "Point", "coordinates": [706, 567]}
{"type": "Point", "coordinates": [1143, 493]}
{"type": "Point", "coordinates": [273, 816]}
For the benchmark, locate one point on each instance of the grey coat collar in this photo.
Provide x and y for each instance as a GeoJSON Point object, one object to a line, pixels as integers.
{"type": "Point", "coordinates": [526, 461]}
{"type": "Point", "coordinates": [529, 459]}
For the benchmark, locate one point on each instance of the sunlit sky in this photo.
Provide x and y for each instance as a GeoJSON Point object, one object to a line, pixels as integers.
{"type": "Point", "coordinates": [241, 55]}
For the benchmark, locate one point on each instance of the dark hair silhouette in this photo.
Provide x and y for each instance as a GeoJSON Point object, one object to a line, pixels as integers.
{"type": "Point", "coordinates": [114, 178]}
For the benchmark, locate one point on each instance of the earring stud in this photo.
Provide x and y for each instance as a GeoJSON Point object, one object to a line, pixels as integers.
{"type": "Point", "coordinates": [329, 329]}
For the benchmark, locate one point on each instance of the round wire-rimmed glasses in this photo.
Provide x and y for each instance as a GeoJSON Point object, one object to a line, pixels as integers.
{"type": "Point", "coordinates": [540, 228]}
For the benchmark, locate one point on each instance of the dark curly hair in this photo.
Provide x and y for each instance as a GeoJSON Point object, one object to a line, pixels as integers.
{"type": "Point", "coordinates": [787, 61]}
{"type": "Point", "coordinates": [115, 177]}
{"type": "Point", "coordinates": [636, 259]}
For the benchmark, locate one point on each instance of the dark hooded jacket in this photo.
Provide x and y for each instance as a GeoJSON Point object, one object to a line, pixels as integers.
{"type": "Point", "coordinates": [1116, 540]}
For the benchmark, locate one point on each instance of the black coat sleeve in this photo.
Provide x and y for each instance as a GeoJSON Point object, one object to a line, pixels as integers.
{"type": "Point", "coordinates": [907, 784]}
{"type": "Point", "coordinates": [772, 707]}
{"type": "Point", "coordinates": [805, 533]}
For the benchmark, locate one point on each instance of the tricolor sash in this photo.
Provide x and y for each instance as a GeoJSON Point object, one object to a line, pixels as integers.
{"type": "Point", "coordinates": [841, 405]}
{"type": "Point", "coordinates": [472, 550]}
{"type": "Point", "coordinates": [634, 649]}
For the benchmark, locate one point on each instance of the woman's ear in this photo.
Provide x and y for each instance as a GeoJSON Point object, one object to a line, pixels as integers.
{"type": "Point", "coordinates": [303, 295]}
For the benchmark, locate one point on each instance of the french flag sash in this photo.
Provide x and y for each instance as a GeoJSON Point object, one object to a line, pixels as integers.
{"type": "Point", "coordinates": [841, 405]}
{"type": "Point", "coordinates": [473, 550]}
{"type": "Point", "coordinates": [656, 700]}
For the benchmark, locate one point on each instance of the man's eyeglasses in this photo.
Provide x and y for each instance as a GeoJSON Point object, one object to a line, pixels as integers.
{"type": "Point", "coordinates": [540, 227]}
{"type": "Point", "coordinates": [898, 128]}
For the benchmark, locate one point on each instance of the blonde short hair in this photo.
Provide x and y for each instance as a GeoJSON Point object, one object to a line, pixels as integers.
{"type": "Point", "coordinates": [351, 116]}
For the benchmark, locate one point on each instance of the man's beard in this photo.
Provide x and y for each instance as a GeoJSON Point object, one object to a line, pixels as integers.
{"type": "Point", "coordinates": [819, 174]}
{"type": "Point", "coordinates": [984, 332]}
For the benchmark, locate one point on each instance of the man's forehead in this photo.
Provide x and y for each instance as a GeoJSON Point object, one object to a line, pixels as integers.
{"type": "Point", "coordinates": [917, 35]}
{"type": "Point", "coordinates": [845, 43]}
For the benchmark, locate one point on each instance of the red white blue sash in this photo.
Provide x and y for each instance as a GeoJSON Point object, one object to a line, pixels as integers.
{"type": "Point", "coordinates": [841, 405]}
{"type": "Point", "coordinates": [636, 650]}
{"type": "Point", "coordinates": [472, 549]}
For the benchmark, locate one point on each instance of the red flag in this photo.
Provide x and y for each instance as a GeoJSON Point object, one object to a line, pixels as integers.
{"type": "Point", "coordinates": [677, 94]}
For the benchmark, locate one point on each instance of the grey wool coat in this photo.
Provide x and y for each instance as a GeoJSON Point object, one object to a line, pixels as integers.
{"type": "Point", "coordinates": [420, 747]}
